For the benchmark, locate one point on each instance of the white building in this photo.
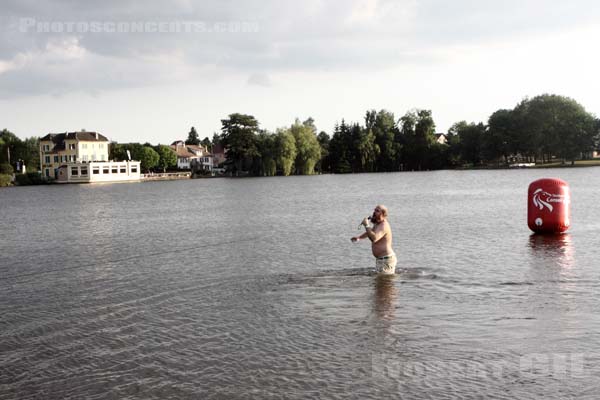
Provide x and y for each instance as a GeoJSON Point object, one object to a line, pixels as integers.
{"type": "Point", "coordinates": [188, 152]}
{"type": "Point", "coordinates": [57, 149]}
{"type": "Point", "coordinates": [93, 172]}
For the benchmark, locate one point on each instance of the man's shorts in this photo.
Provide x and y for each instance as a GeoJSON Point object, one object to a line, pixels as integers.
{"type": "Point", "coordinates": [386, 264]}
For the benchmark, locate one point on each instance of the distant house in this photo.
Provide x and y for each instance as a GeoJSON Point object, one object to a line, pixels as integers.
{"type": "Point", "coordinates": [186, 153]}
{"type": "Point", "coordinates": [57, 149]}
{"type": "Point", "coordinates": [441, 138]}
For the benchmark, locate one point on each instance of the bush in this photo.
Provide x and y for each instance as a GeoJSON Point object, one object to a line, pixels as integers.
{"type": "Point", "coordinates": [5, 180]}
{"type": "Point", "coordinates": [31, 178]}
{"type": "Point", "coordinates": [6, 169]}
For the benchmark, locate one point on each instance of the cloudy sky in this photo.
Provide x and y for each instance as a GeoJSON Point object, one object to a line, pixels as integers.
{"type": "Point", "coordinates": [146, 71]}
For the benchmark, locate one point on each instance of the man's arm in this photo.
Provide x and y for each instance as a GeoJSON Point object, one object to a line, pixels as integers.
{"type": "Point", "coordinates": [375, 234]}
{"type": "Point", "coordinates": [357, 238]}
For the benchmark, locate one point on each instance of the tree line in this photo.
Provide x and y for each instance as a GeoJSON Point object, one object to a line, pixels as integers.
{"type": "Point", "coordinates": [541, 129]}
{"type": "Point", "coordinates": [160, 157]}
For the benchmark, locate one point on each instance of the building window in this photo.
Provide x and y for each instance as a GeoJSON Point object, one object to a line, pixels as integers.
{"type": "Point", "coordinates": [105, 170]}
{"type": "Point", "coordinates": [55, 159]}
{"type": "Point", "coordinates": [47, 159]}
{"type": "Point", "coordinates": [134, 170]}
{"type": "Point", "coordinates": [72, 146]}
{"type": "Point", "coordinates": [84, 158]}
{"type": "Point", "coordinates": [123, 169]}
{"type": "Point", "coordinates": [46, 147]}
{"type": "Point", "coordinates": [96, 170]}
{"type": "Point", "coordinates": [114, 170]}
{"type": "Point", "coordinates": [84, 145]}
{"type": "Point", "coordinates": [74, 171]}
{"type": "Point", "coordinates": [47, 173]}
{"type": "Point", "coordinates": [103, 157]}
{"type": "Point", "coordinates": [101, 145]}
{"type": "Point", "coordinates": [83, 171]}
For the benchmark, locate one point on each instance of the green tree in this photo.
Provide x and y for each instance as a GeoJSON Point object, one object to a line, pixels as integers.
{"type": "Point", "coordinates": [324, 165]}
{"type": "Point", "coordinates": [27, 151]}
{"type": "Point", "coordinates": [239, 136]}
{"type": "Point", "coordinates": [285, 151]}
{"type": "Point", "coordinates": [340, 149]}
{"type": "Point", "coordinates": [167, 157]}
{"type": "Point", "coordinates": [193, 138]}
{"type": "Point", "coordinates": [425, 137]}
{"type": "Point", "coordinates": [148, 157]}
{"type": "Point", "coordinates": [367, 151]}
{"type": "Point", "coordinates": [308, 150]}
{"type": "Point", "coordinates": [383, 126]}
{"type": "Point", "coordinates": [471, 141]}
{"type": "Point", "coordinates": [266, 145]}
{"type": "Point", "coordinates": [117, 151]}
{"type": "Point", "coordinates": [206, 143]}
{"type": "Point", "coordinates": [557, 126]}
{"type": "Point", "coordinates": [453, 157]}
{"type": "Point", "coordinates": [500, 140]}
{"type": "Point", "coordinates": [7, 144]}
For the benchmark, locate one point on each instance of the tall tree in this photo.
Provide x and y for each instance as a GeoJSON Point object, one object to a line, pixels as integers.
{"type": "Point", "coordinates": [340, 149]}
{"type": "Point", "coordinates": [308, 150]}
{"type": "Point", "coordinates": [193, 138]}
{"type": "Point", "coordinates": [148, 158]}
{"type": "Point", "coordinates": [366, 150]}
{"type": "Point", "coordinates": [425, 136]}
{"type": "Point", "coordinates": [23, 151]}
{"type": "Point", "coordinates": [285, 151]}
{"type": "Point", "coordinates": [499, 138]}
{"type": "Point", "coordinates": [167, 157]}
{"type": "Point", "coordinates": [383, 126]}
{"type": "Point", "coordinates": [559, 126]}
{"type": "Point", "coordinates": [324, 165]}
{"type": "Point", "coordinates": [265, 165]}
{"type": "Point", "coordinates": [239, 136]}
{"type": "Point", "coordinates": [471, 136]}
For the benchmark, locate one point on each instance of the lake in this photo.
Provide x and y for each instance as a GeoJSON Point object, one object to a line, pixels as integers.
{"type": "Point", "coordinates": [251, 288]}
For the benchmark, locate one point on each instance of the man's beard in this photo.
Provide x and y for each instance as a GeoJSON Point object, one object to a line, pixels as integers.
{"type": "Point", "coordinates": [375, 219]}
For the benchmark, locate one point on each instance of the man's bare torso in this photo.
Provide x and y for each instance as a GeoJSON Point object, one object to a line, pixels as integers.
{"type": "Point", "coordinates": [383, 246]}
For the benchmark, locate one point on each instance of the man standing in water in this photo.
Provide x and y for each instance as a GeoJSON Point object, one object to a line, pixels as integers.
{"type": "Point", "coordinates": [380, 236]}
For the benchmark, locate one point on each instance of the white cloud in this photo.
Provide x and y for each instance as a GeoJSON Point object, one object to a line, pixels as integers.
{"type": "Point", "coordinates": [330, 59]}
{"type": "Point", "coordinates": [259, 79]}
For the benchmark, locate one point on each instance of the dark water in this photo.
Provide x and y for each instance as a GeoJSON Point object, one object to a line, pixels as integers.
{"type": "Point", "coordinates": [251, 288]}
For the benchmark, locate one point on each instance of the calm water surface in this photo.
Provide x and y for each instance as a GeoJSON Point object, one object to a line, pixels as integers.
{"type": "Point", "coordinates": [251, 288]}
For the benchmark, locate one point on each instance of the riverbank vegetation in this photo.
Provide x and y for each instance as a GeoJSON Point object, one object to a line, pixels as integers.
{"type": "Point", "coordinates": [544, 130]}
{"type": "Point", "coordinates": [547, 130]}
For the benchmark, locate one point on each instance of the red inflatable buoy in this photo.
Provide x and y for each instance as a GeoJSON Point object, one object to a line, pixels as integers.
{"type": "Point", "coordinates": [549, 206]}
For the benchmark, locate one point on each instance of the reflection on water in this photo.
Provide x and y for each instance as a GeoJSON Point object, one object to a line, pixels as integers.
{"type": "Point", "coordinates": [555, 249]}
{"type": "Point", "coordinates": [385, 296]}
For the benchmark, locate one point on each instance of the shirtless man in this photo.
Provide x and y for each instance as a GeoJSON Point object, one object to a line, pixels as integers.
{"type": "Point", "coordinates": [380, 236]}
